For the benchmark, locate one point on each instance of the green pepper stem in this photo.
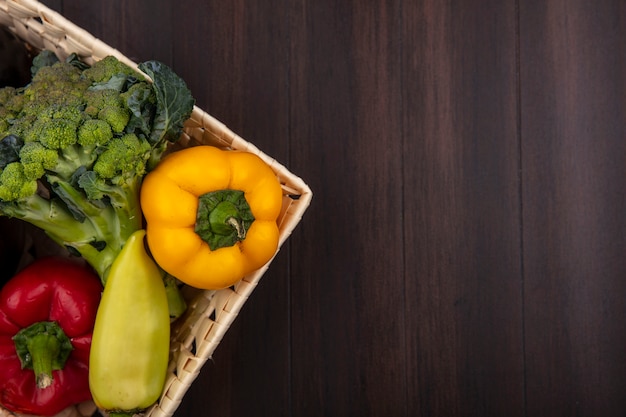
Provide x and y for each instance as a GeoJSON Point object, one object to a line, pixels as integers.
{"type": "Point", "coordinates": [223, 218]}
{"type": "Point", "coordinates": [42, 347]}
{"type": "Point", "coordinates": [238, 226]}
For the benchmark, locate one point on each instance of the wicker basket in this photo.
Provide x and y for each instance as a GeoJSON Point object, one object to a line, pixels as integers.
{"type": "Point", "coordinates": [195, 335]}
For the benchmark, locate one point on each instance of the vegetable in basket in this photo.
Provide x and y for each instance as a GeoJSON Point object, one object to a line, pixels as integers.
{"type": "Point", "coordinates": [47, 314]}
{"type": "Point", "coordinates": [75, 144]}
{"type": "Point", "coordinates": [211, 215]}
{"type": "Point", "coordinates": [130, 348]}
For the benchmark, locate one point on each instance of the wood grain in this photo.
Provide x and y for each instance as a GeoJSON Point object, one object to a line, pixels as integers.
{"type": "Point", "coordinates": [462, 210]}
{"type": "Point", "coordinates": [464, 251]}
{"type": "Point", "coordinates": [573, 96]}
{"type": "Point", "coordinates": [348, 302]}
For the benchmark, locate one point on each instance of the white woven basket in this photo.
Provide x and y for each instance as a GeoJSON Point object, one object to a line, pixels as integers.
{"type": "Point", "coordinates": [210, 313]}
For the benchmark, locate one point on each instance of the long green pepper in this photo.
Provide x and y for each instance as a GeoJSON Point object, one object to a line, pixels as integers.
{"type": "Point", "coordinates": [130, 347]}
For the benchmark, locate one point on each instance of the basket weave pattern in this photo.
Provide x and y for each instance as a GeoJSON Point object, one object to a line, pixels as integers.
{"type": "Point", "coordinates": [210, 313]}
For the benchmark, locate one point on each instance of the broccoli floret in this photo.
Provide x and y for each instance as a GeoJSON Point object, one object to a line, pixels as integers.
{"type": "Point", "coordinates": [93, 133]}
{"type": "Point", "coordinates": [4, 123]}
{"type": "Point", "coordinates": [96, 100]}
{"type": "Point", "coordinates": [11, 103]}
{"type": "Point", "coordinates": [74, 114]}
{"type": "Point", "coordinates": [15, 104]}
{"type": "Point", "coordinates": [75, 144]}
{"type": "Point", "coordinates": [102, 71]}
{"type": "Point", "coordinates": [5, 113]}
{"type": "Point", "coordinates": [36, 159]}
{"type": "Point", "coordinates": [117, 117]}
{"type": "Point", "coordinates": [53, 134]}
{"type": "Point", "coordinates": [123, 157]}
{"type": "Point", "coordinates": [60, 84]}
{"type": "Point", "coordinates": [6, 94]}
{"type": "Point", "coordinates": [108, 105]}
{"type": "Point", "coordinates": [14, 184]}
{"type": "Point", "coordinates": [20, 126]}
{"type": "Point", "coordinates": [55, 127]}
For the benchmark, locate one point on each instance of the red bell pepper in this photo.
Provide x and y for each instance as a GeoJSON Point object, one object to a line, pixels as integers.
{"type": "Point", "coordinates": [47, 314]}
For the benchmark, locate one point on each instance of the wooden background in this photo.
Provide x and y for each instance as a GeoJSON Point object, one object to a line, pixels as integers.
{"type": "Point", "coordinates": [464, 254]}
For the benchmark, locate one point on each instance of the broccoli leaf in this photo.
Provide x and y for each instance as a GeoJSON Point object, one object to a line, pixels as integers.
{"type": "Point", "coordinates": [92, 185]}
{"type": "Point", "coordinates": [67, 195]}
{"type": "Point", "coordinates": [138, 101]}
{"type": "Point", "coordinates": [174, 102]}
{"type": "Point", "coordinates": [76, 61]}
{"type": "Point", "coordinates": [45, 58]}
{"type": "Point", "coordinates": [98, 192]}
{"type": "Point", "coordinates": [10, 150]}
{"type": "Point", "coordinates": [116, 82]}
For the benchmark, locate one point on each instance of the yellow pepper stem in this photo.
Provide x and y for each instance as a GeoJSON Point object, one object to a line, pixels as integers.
{"type": "Point", "coordinates": [223, 218]}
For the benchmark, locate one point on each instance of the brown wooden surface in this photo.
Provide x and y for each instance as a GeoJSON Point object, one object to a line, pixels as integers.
{"type": "Point", "coordinates": [465, 251]}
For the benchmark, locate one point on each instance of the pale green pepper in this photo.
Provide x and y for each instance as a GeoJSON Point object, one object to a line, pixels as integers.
{"type": "Point", "coordinates": [130, 347]}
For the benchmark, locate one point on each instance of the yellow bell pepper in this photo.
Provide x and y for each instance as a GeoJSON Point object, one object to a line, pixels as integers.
{"type": "Point", "coordinates": [211, 215]}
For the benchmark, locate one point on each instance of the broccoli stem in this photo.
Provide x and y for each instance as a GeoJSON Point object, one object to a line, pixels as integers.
{"type": "Point", "coordinates": [98, 239]}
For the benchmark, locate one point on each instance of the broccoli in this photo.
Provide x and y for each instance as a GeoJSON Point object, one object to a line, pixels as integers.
{"type": "Point", "coordinates": [108, 105]}
{"type": "Point", "coordinates": [123, 156]}
{"type": "Point", "coordinates": [76, 142]}
{"type": "Point", "coordinates": [14, 184]}
{"type": "Point", "coordinates": [93, 133]}
{"type": "Point", "coordinates": [4, 125]}
{"type": "Point", "coordinates": [10, 105]}
{"type": "Point", "coordinates": [36, 159]}
{"type": "Point", "coordinates": [6, 95]}
{"type": "Point", "coordinates": [109, 68]}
